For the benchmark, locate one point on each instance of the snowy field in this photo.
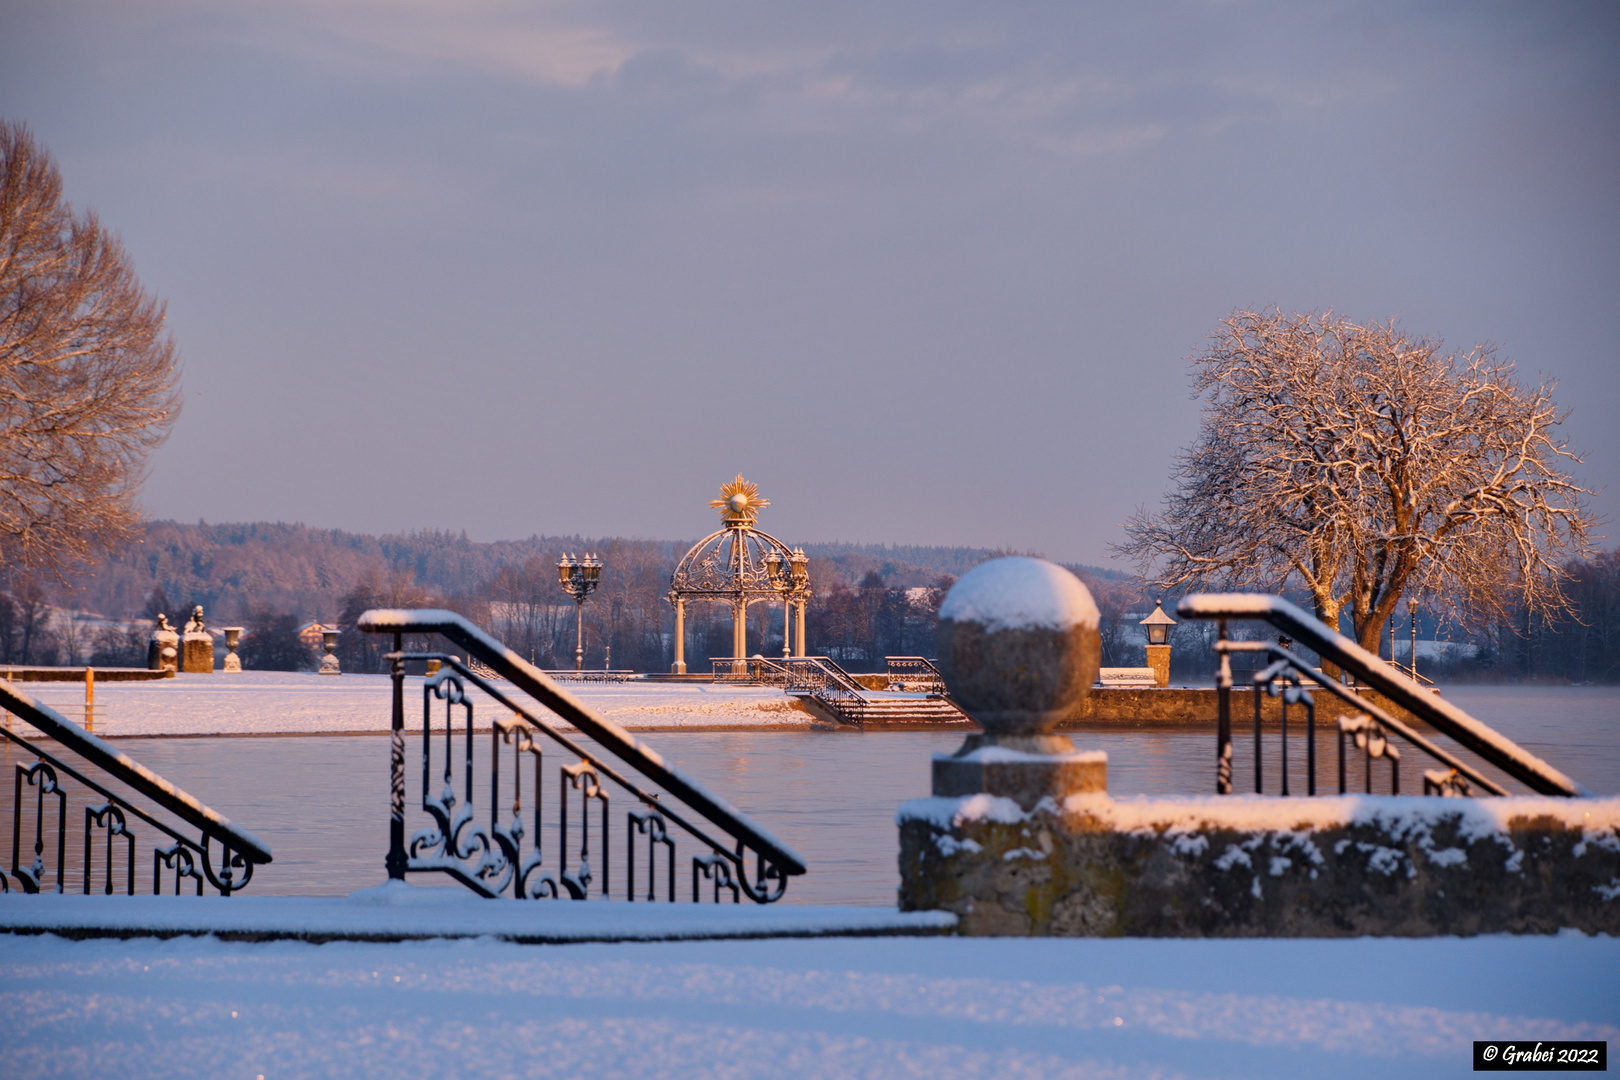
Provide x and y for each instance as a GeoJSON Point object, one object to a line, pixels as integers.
{"type": "Point", "coordinates": [279, 703]}
{"type": "Point", "coordinates": [849, 1007]}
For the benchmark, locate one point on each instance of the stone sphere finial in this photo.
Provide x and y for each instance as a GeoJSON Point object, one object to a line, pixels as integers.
{"type": "Point", "coordinates": [1018, 646]}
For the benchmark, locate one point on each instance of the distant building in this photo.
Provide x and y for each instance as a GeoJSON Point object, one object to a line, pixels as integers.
{"type": "Point", "coordinates": [310, 633]}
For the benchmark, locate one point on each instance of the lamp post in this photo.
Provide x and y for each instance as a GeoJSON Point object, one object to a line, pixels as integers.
{"type": "Point", "coordinates": [781, 582]}
{"type": "Point", "coordinates": [578, 577]}
{"type": "Point", "coordinates": [1158, 627]}
{"type": "Point", "coordinates": [790, 576]}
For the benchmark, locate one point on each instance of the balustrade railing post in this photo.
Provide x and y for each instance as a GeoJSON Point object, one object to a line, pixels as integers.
{"type": "Point", "coordinates": [397, 860]}
{"type": "Point", "coordinates": [1283, 716]}
{"type": "Point", "coordinates": [1310, 745]}
{"type": "Point", "coordinates": [1257, 748]}
{"type": "Point", "coordinates": [1223, 722]}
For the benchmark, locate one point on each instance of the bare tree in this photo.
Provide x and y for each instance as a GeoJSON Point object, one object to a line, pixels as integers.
{"type": "Point", "coordinates": [87, 375]}
{"type": "Point", "coordinates": [1366, 467]}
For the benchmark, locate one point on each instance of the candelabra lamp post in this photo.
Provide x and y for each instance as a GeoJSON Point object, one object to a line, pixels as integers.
{"type": "Point", "coordinates": [790, 576]}
{"type": "Point", "coordinates": [578, 577]}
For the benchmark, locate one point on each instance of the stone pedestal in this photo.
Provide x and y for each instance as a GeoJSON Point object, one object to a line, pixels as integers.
{"type": "Point", "coordinates": [197, 646]}
{"type": "Point", "coordinates": [163, 649]}
{"type": "Point", "coordinates": [1018, 648]}
{"type": "Point", "coordinates": [1158, 658]}
{"type": "Point", "coordinates": [1024, 778]}
{"type": "Point", "coordinates": [197, 653]}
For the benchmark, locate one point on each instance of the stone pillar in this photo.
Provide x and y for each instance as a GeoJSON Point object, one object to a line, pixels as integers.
{"type": "Point", "coordinates": [1158, 658]}
{"type": "Point", "coordinates": [233, 663]}
{"type": "Point", "coordinates": [1018, 646]}
{"type": "Point", "coordinates": [679, 667]}
{"type": "Point", "coordinates": [163, 650]}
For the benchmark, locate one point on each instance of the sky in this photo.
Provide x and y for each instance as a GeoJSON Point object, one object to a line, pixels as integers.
{"type": "Point", "coordinates": [927, 272]}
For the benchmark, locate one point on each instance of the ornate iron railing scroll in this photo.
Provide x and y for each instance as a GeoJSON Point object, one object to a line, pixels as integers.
{"type": "Point", "coordinates": [576, 858]}
{"type": "Point", "coordinates": [1294, 680]}
{"type": "Point", "coordinates": [112, 816]}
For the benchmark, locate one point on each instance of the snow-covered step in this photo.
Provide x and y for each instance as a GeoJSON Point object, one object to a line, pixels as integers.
{"type": "Point", "coordinates": [398, 911]}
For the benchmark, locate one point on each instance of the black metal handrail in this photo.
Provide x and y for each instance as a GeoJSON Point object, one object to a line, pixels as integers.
{"type": "Point", "coordinates": [1495, 748]}
{"type": "Point", "coordinates": [915, 669]}
{"type": "Point", "coordinates": [240, 850]}
{"type": "Point", "coordinates": [820, 675]}
{"type": "Point", "coordinates": [1288, 677]}
{"type": "Point", "coordinates": [497, 854]}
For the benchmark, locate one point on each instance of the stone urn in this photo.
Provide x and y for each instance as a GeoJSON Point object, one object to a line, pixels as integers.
{"type": "Point", "coordinates": [329, 662]}
{"type": "Point", "coordinates": [1018, 647]}
{"type": "Point", "coordinates": [233, 638]}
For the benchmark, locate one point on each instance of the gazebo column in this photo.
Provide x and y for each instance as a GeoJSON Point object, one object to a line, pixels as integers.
{"type": "Point", "coordinates": [798, 631]}
{"type": "Point", "coordinates": [739, 629]}
{"type": "Point", "coordinates": [679, 667]}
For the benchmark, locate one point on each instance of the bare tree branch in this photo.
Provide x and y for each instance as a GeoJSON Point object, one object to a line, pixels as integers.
{"type": "Point", "coordinates": [1368, 468]}
{"type": "Point", "coordinates": [87, 375]}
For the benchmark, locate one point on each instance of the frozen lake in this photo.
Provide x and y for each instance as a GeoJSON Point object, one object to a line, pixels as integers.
{"type": "Point", "coordinates": [320, 802]}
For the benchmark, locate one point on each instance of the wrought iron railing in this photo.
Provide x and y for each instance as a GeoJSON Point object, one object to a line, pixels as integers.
{"type": "Point", "coordinates": [795, 674]}
{"type": "Point", "coordinates": [1369, 728]}
{"type": "Point", "coordinates": [110, 818]}
{"type": "Point", "coordinates": [567, 674]}
{"type": "Point", "coordinates": [916, 673]}
{"type": "Point", "coordinates": [576, 858]}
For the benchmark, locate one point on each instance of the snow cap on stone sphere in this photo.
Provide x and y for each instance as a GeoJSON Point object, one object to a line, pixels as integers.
{"type": "Point", "coordinates": [1019, 592]}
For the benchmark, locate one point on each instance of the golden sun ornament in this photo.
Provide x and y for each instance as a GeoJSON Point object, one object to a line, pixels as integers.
{"type": "Point", "coordinates": [739, 501]}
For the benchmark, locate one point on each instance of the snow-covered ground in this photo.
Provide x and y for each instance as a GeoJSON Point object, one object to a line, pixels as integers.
{"type": "Point", "coordinates": [268, 703]}
{"type": "Point", "coordinates": [853, 1007]}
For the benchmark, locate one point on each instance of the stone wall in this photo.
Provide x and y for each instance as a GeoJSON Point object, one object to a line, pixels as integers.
{"type": "Point", "coordinates": [1240, 866]}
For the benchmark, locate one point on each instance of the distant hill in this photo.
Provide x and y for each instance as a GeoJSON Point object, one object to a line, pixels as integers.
{"type": "Point", "coordinates": [234, 569]}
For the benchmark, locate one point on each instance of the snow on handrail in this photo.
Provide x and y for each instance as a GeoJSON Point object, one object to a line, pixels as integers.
{"type": "Point", "coordinates": [1440, 714]}
{"type": "Point", "coordinates": [538, 685]}
{"type": "Point", "coordinates": [131, 772]}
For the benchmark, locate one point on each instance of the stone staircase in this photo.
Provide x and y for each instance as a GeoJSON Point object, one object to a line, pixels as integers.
{"type": "Point", "coordinates": [878, 708]}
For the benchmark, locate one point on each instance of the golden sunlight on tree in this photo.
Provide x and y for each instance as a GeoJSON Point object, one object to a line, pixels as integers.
{"type": "Point", "coordinates": [87, 375]}
{"type": "Point", "coordinates": [1367, 467]}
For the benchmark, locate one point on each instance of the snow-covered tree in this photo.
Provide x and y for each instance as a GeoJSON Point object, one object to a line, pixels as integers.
{"type": "Point", "coordinates": [1366, 467]}
{"type": "Point", "coordinates": [87, 375]}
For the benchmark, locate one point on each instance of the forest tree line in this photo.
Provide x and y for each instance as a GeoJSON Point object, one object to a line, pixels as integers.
{"type": "Point", "coordinates": [870, 602]}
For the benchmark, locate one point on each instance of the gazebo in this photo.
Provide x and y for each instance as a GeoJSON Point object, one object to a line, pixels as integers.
{"type": "Point", "coordinates": [740, 565]}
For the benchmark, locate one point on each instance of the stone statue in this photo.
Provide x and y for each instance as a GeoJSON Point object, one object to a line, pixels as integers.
{"type": "Point", "coordinates": [197, 646]}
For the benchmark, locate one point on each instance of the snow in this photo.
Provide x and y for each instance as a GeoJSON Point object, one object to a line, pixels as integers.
{"type": "Point", "coordinates": [1018, 592]}
{"type": "Point", "coordinates": [267, 703]}
{"type": "Point", "coordinates": [401, 911]}
{"type": "Point", "coordinates": [948, 1009]}
{"type": "Point", "coordinates": [1401, 816]}
{"type": "Point", "coordinates": [1412, 818]}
